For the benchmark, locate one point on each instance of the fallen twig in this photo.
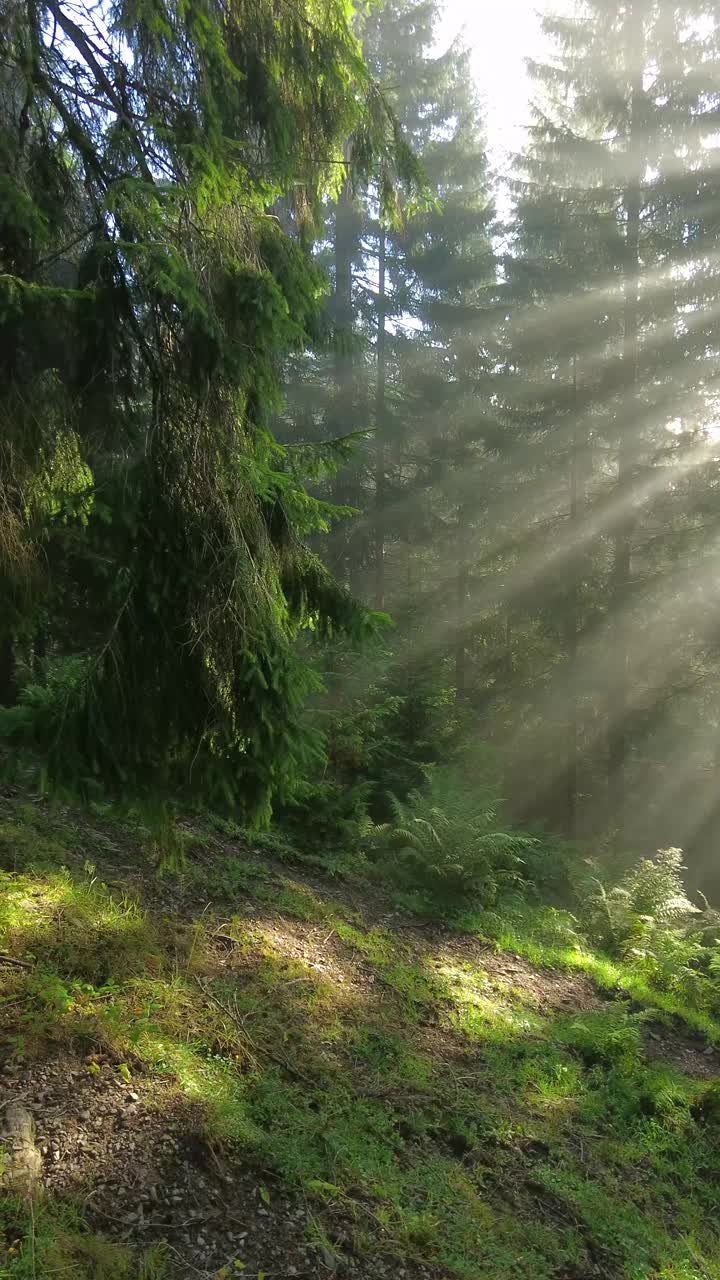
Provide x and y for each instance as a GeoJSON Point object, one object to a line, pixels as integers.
{"type": "Point", "coordinates": [19, 964]}
{"type": "Point", "coordinates": [234, 1016]}
{"type": "Point", "coordinates": [278, 1058]}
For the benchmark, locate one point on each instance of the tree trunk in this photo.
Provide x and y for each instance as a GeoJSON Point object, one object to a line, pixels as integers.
{"type": "Point", "coordinates": [572, 625]}
{"type": "Point", "coordinates": [380, 496]}
{"type": "Point", "coordinates": [8, 685]}
{"type": "Point", "coordinates": [344, 407]}
{"type": "Point", "coordinates": [461, 592]}
{"type": "Point", "coordinates": [622, 551]}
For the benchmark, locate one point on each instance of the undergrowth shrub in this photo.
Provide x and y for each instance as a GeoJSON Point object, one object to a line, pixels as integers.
{"type": "Point", "coordinates": [602, 1038]}
{"type": "Point", "coordinates": [384, 721]}
{"type": "Point", "coordinates": [648, 922]}
{"type": "Point", "coordinates": [325, 813]}
{"type": "Point", "coordinates": [549, 867]}
{"type": "Point", "coordinates": [30, 728]}
{"type": "Point", "coordinates": [444, 848]}
{"type": "Point", "coordinates": [649, 898]}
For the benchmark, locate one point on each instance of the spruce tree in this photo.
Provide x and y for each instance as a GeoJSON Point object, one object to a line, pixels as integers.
{"type": "Point", "coordinates": [617, 197]}
{"type": "Point", "coordinates": [433, 302]}
{"type": "Point", "coordinates": [148, 294]}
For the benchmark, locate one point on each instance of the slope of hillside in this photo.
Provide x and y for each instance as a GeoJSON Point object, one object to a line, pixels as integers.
{"type": "Point", "coordinates": [243, 1069]}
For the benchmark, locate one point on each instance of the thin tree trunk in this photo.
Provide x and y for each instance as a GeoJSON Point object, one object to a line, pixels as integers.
{"type": "Point", "coordinates": [380, 496]}
{"type": "Point", "coordinates": [622, 552]}
{"type": "Point", "coordinates": [571, 626]}
{"type": "Point", "coordinates": [8, 684]}
{"type": "Point", "coordinates": [344, 371]}
{"type": "Point", "coordinates": [461, 590]}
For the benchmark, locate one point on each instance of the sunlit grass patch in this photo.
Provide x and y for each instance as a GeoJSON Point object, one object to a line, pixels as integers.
{"type": "Point", "coordinates": [632, 1242]}
{"type": "Point", "coordinates": [225, 876]}
{"type": "Point", "coordinates": [22, 846]}
{"type": "Point", "coordinates": [76, 925]}
{"type": "Point", "coordinates": [413, 980]}
{"type": "Point", "coordinates": [299, 902]}
{"type": "Point", "coordinates": [552, 1082]}
{"type": "Point", "coordinates": [214, 1080]}
{"type": "Point", "coordinates": [547, 938]}
{"type": "Point", "coordinates": [481, 1009]}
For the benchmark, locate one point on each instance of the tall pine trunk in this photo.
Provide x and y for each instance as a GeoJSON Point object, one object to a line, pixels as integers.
{"type": "Point", "coordinates": [571, 626]}
{"type": "Point", "coordinates": [380, 407]}
{"type": "Point", "coordinates": [344, 406]}
{"type": "Point", "coordinates": [462, 582]}
{"type": "Point", "coordinates": [622, 549]}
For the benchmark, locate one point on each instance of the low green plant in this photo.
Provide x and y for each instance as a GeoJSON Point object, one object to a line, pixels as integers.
{"type": "Point", "coordinates": [227, 876]}
{"type": "Point", "coordinates": [605, 1037]}
{"type": "Point", "coordinates": [43, 1240]}
{"type": "Point", "coordinates": [445, 845]}
{"type": "Point", "coordinates": [431, 1099]}
{"type": "Point", "coordinates": [649, 897]}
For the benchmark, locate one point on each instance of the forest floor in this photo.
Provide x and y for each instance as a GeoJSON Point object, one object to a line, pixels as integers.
{"type": "Point", "coordinates": [251, 1069]}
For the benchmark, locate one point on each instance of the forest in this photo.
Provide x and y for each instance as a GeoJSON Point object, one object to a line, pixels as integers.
{"type": "Point", "coordinates": [359, 642]}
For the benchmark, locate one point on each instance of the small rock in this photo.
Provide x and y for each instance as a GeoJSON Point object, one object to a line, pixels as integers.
{"type": "Point", "coordinates": [709, 1051]}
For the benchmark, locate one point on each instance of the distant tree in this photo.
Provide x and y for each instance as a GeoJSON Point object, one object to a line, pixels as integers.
{"type": "Point", "coordinates": [615, 271]}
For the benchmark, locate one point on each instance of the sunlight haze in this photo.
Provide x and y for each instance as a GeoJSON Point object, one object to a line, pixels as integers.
{"type": "Point", "coordinates": [360, 639]}
{"type": "Point", "coordinates": [501, 38]}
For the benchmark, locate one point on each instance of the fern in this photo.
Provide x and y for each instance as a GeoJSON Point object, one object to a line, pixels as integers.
{"type": "Point", "coordinates": [446, 845]}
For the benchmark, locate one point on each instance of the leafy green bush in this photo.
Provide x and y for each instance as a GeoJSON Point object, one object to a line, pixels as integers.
{"type": "Point", "coordinates": [550, 868]}
{"type": "Point", "coordinates": [650, 898]}
{"type": "Point", "coordinates": [648, 921]}
{"type": "Point", "coordinates": [602, 1037]}
{"type": "Point", "coordinates": [31, 727]}
{"type": "Point", "coordinates": [325, 814]}
{"type": "Point", "coordinates": [445, 846]}
{"type": "Point", "coordinates": [673, 960]}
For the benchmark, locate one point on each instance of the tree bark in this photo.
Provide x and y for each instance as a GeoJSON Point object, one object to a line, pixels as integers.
{"type": "Point", "coordinates": [8, 684]}
{"type": "Point", "coordinates": [461, 593]}
{"type": "Point", "coordinates": [343, 409]}
{"type": "Point", "coordinates": [380, 495]}
{"type": "Point", "coordinates": [622, 551]}
{"type": "Point", "coordinates": [572, 624]}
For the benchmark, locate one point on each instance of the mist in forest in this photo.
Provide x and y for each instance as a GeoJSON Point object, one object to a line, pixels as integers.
{"type": "Point", "coordinates": [367, 394]}
{"type": "Point", "coordinates": [535, 357]}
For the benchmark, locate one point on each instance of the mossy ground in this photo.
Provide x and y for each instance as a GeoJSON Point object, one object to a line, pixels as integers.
{"type": "Point", "coordinates": [433, 1099]}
